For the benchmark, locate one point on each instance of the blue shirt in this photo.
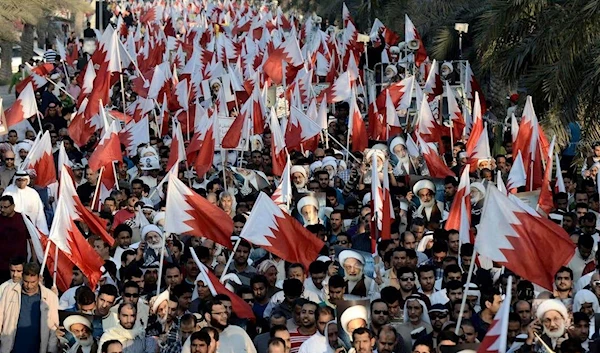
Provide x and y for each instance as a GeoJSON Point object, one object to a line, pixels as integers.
{"type": "Point", "coordinates": [27, 338]}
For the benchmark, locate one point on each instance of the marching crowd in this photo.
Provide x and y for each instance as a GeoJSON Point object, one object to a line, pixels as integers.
{"type": "Point", "coordinates": [372, 256]}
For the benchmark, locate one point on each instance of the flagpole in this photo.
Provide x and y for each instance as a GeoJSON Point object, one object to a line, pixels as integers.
{"type": "Point", "coordinates": [97, 188]}
{"type": "Point", "coordinates": [121, 77]}
{"type": "Point", "coordinates": [55, 265]}
{"type": "Point", "coordinates": [160, 264]}
{"type": "Point", "coordinates": [237, 243]}
{"type": "Point", "coordinates": [61, 89]}
{"type": "Point", "coordinates": [37, 114]}
{"type": "Point", "coordinates": [464, 298]}
{"type": "Point", "coordinates": [115, 175]}
{"type": "Point", "coordinates": [46, 253]}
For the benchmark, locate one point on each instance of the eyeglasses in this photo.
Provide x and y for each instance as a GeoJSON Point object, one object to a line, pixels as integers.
{"type": "Point", "coordinates": [381, 312]}
{"type": "Point", "coordinates": [342, 242]}
{"type": "Point", "coordinates": [9, 159]}
{"type": "Point", "coordinates": [249, 300]}
{"type": "Point", "coordinates": [131, 295]}
{"type": "Point", "coordinates": [404, 279]}
{"type": "Point", "coordinates": [438, 316]}
{"type": "Point", "coordinates": [596, 283]}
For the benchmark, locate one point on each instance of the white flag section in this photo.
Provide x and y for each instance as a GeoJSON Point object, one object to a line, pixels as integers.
{"type": "Point", "coordinates": [495, 340]}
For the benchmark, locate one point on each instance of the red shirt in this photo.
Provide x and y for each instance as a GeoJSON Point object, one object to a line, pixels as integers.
{"type": "Point", "coordinates": [297, 339]}
{"type": "Point", "coordinates": [121, 216]}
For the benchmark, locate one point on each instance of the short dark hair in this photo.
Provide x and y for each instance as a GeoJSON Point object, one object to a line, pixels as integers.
{"type": "Point", "coordinates": [439, 247]}
{"type": "Point", "coordinates": [337, 281]}
{"type": "Point", "coordinates": [8, 198]}
{"type": "Point", "coordinates": [201, 336]}
{"type": "Point", "coordinates": [108, 343]}
{"type": "Point", "coordinates": [564, 269]}
{"type": "Point", "coordinates": [362, 331]}
{"type": "Point", "coordinates": [317, 267]}
{"type": "Point", "coordinates": [108, 289]}
{"type": "Point", "coordinates": [277, 328]}
{"type": "Point", "coordinates": [390, 294]}
{"type": "Point", "coordinates": [31, 269]}
{"type": "Point", "coordinates": [127, 305]}
{"type": "Point", "coordinates": [131, 284]}
{"type": "Point", "coordinates": [17, 260]}
{"type": "Point", "coordinates": [276, 341]}
{"type": "Point", "coordinates": [586, 241]}
{"type": "Point", "coordinates": [181, 289]}
{"type": "Point", "coordinates": [487, 296]}
{"type": "Point", "coordinates": [425, 268]}
{"type": "Point", "coordinates": [84, 296]}
{"type": "Point", "coordinates": [209, 330]}
{"type": "Point", "coordinates": [258, 279]}
{"type": "Point", "coordinates": [122, 228]}
{"type": "Point", "coordinates": [324, 310]}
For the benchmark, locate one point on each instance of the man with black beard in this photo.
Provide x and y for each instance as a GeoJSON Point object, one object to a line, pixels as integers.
{"type": "Point", "coordinates": [232, 339]}
{"type": "Point", "coordinates": [127, 332]}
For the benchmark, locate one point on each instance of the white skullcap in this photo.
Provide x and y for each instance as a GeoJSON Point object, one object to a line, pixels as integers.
{"type": "Point", "coordinates": [479, 187]}
{"type": "Point", "coordinates": [161, 298]}
{"type": "Point", "coordinates": [215, 81]}
{"type": "Point", "coordinates": [462, 154]}
{"type": "Point", "coordinates": [323, 258]}
{"type": "Point", "coordinates": [76, 319]}
{"type": "Point", "coordinates": [147, 151]}
{"type": "Point", "coordinates": [315, 166]}
{"type": "Point", "coordinates": [392, 68]}
{"type": "Point", "coordinates": [551, 304]}
{"type": "Point", "coordinates": [298, 169]}
{"type": "Point", "coordinates": [352, 313]}
{"type": "Point", "coordinates": [423, 184]}
{"type": "Point", "coordinates": [398, 140]}
{"type": "Point", "coordinates": [150, 228]}
{"type": "Point", "coordinates": [307, 200]}
{"type": "Point", "coordinates": [23, 146]}
{"type": "Point", "coordinates": [350, 254]}
{"type": "Point", "coordinates": [159, 216]}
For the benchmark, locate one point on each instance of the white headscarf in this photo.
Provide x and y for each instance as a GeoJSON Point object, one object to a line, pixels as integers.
{"type": "Point", "coordinates": [424, 314]}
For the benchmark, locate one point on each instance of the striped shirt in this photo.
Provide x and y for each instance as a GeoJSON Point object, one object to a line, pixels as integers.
{"type": "Point", "coordinates": [50, 56]}
{"type": "Point", "coordinates": [296, 339]}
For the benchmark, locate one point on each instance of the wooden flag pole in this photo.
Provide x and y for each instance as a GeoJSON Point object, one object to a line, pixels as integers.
{"type": "Point", "coordinates": [464, 298]}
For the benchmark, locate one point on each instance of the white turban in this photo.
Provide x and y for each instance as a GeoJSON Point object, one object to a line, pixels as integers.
{"type": "Point", "coordinates": [551, 304]}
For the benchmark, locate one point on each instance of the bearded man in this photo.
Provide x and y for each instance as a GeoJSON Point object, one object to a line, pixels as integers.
{"type": "Point", "coordinates": [553, 315]}
{"type": "Point", "coordinates": [299, 178]}
{"type": "Point", "coordinates": [163, 309]}
{"type": "Point", "coordinates": [399, 155]}
{"type": "Point", "coordinates": [308, 207]}
{"type": "Point", "coordinates": [81, 328]}
{"type": "Point", "coordinates": [357, 283]}
{"type": "Point", "coordinates": [153, 237]}
{"type": "Point", "coordinates": [429, 209]}
{"type": "Point", "coordinates": [131, 336]}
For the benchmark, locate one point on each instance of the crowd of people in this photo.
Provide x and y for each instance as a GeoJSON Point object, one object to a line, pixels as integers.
{"type": "Point", "coordinates": [391, 281]}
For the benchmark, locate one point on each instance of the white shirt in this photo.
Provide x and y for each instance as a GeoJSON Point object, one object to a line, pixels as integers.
{"type": "Point", "coordinates": [231, 340]}
{"type": "Point", "coordinates": [67, 300]}
{"type": "Point", "coordinates": [28, 201]}
{"type": "Point", "coordinates": [316, 343]}
{"type": "Point", "coordinates": [278, 298]}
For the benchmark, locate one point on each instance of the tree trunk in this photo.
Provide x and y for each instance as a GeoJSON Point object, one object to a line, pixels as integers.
{"type": "Point", "coordinates": [27, 42]}
{"type": "Point", "coordinates": [6, 61]}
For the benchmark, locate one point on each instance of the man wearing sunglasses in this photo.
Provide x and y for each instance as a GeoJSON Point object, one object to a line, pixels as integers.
{"type": "Point", "coordinates": [438, 314]}
{"type": "Point", "coordinates": [131, 295]}
{"type": "Point", "coordinates": [380, 315]}
{"type": "Point", "coordinates": [8, 170]}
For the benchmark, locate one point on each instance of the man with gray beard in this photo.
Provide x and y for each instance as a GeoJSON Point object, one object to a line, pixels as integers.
{"type": "Point", "coordinates": [357, 283]}
{"type": "Point", "coordinates": [429, 209]}
{"type": "Point", "coordinates": [81, 329]}
{"type": "Point", "coordinates": [550, 325]}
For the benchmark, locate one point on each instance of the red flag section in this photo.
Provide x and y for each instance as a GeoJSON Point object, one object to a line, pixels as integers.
{"type": "Point", "coordinates": [513, 235]}
{"type": "Point", "coordinates": [279, 233]}
{"type": "Point", "coordinates": [190, 213]}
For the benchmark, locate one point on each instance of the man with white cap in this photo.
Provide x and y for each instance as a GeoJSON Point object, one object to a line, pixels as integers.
{"type": "Point", "coordinates": [81, 328]}
{"type": "Point", "coordinates": [552, 318]}
{"type": "Point", "coordinates": [477, 193]}
{"type": "Point", "coordinates": [27, 200]}
{"type": "Point", "coordinates": [299, 177]}
{"type": "Point", "coordinates": [430, 209]}
{"type": "Point", "coordinates": [153, 238]}
{"type": "Point", "coordinates": [354, 317]}
{"type": "Point", "coordinates": [163, 311]}
{"type": "Point", "coordinates": [308, 207]}
{"type": "Point", "coordinates": [358, 284]}
{"type": "Point", "coordinates": [151, 167]}
{"type": "Point", "coordinates": [399, 155]}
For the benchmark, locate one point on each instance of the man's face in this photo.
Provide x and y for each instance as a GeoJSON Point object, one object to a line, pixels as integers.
{"type": "Point", "coordinates": [131, 295]}
{"type": "Point", "coordinates": [336, 294]}
{"type": "Point", "coordinates": [323, 181]}
{"type": "Point", "coordinates": [22, 183]}
{"type": "Point", "coordinates": [418, 231]}
{"type": "Point", "coordinates": [191, 268]}
{"type": "Point", "coordinates": [16, 272]}
{"type": "Point", "coordinates": [127, 318]}
{"type": "Point", "coordinates": [581, 211]}
{"type": "Point", "coordinates": [554, 324]}
{"type": "Point", "coordinates": [453, 242]}
{"type": "Point", "coordinates": [241, 255]}
{"type": "Point", "coordinates": [449, 190]}
{"type": "Point", "coordinates": [438, 319]}
{"type": "Point", "coordinates": [386, 342]}
{"type": "Point", "coordinates": [124, 239]}
{"type": "Point", "coordinates": [353, 267]}
{"type": "Point", "coordinates": [237, 227]}
{"type": "Point", "coordinates": [9, 159]}
{"type": "Point", "coordinates": [103, 304]}
{"type": "Point", "coordinates": [259, 290]}
{"type": "Point", "coordinates": [425, 195]}
{"type": "Point", "coordinates": [455, 294]}
{"type": "Point", "coordinates": [581, 330]}
{"type": "Point", "coordinates": [317, 279]}
{"type": "Point", "coordinates": [101, 249]}
{"type": "Point", "coordinates": [524, 312]}
{"type": "Point", "coordinates": [198, 346]}
{"type": "Point", "coordinates": [427, 280]}
{"type": "Point", "coordinates": [469, 332]}
{"type": "Point", "coordinates": [380, 314]}
{"type": "Point", "coordinates": [285, 336]}
{"type": "Point", "coordinates": [322, 322]}
{"type": "Point", "coordinates": [77, 278]}
{"type": "Point", "coordinates": [203, 290]}
{"type": "Point", "coordinates": [186, 330]}
{"type": "Point", "coordinates": [584, 252]}
{"type": "Point", "coordinates": [562, 204]}
{"type": "Point", "coordinates": [343, 242]}
{"type": "Point", "coordinates": [336, 221]}
{"type": "Point", "coordinates": [581, 197]}
{"type": "Point", "coordinates": [12, 138]}
{"type": "Point", "coordinates": [173, 277]}
{"type": "Point", "coordinates": [399, 259]}
{"type": "Point", "coordinates": [495, 306]}
{"type": "Point", "coordinates": [219, 316]}
{"type": "Point", "coordinates": [410, 242]}
{"type": "Point", "coordinates": [363, 344]}
{"type": "Point", "coordinates": [414, 310]}
{"type": "Point", "coordinates": [307, 315]}
{"type": "Point", "coordinates": [438, 257]}
{"type": "Point", "coordinates": [563, 281]}
{"type": "Point", "coordinates": [30, 284]}
{"type": "Point", "coordinates": [7, 209]}
{"type": "Point", "coordinates": [407, 282]}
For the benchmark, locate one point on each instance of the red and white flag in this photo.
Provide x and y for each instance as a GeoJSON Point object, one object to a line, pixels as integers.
{"type": "Point", "coordinates": [177, 153]}
{"type": "Point", "coordinates": [242, 309]}
{"type": "Point", "coordinates": [340, 91]}
{"type": "Point", "coordinates": [283, 194]}
{"type": "Point", "coordinates": [546, 199]}
{"type": "Point", "coordinates": [516, 176]}
{"type": "Point", "coordinates": [514, 128]}
{"type": "Point", "coordinates": [472, 87]}
{"type": "Point", "coordinates": [560, 183]}
{"type": "Point", "coordinates": [278, 147]}
{"type": "Point", "coordinates": [41, 159]}
{"type": "Point", "coordinates": [436, 166]}
{"type": "Point", "coordinates": [456, 116]}
{"type": "Point", "coordinates": [411, 34]}
{"type": "Point", "coordinates": [459, 217]}
{"type": "Point", "coordinates": [514, 235]}
{"type": "Point", "coordinates": [23, 108]}
{"type": "Point", "coordinates": [433, 85]}
{"type": "Point", "coordinates": [206, 153]}
{"type": "Point", "coordinates": [190, 213]}
{"type": "Point", "coordinates": [495, 340]}
{"type": "Point", "coordinates": [426, 126]}
{"type": "Point", "coordinates": [108, 149]}
{"type": "Point", "coordinates": [381, 203]}
{"type": "Point", "coordinates": [301, 131]}
{"type": "Point", "coordinates": [134, 134]}
{"type": "Point", "coordinates": [67, 237]}
{"type": "Point", "coordinates": [280, 234]}
{"type": "Point", "coordinates": [356, 128]}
